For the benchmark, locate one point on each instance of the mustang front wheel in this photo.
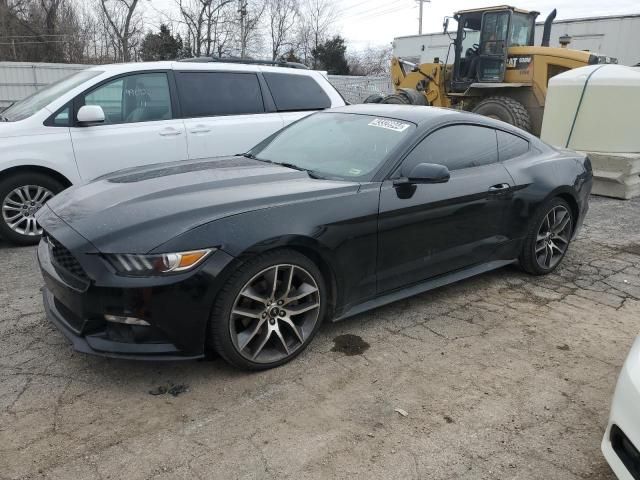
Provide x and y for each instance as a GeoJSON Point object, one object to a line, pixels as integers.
{"type": "Point", "coordinates": [269, 310]}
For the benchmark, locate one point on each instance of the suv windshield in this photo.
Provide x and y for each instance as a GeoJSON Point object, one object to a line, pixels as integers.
{"type": "Point", "coordinates": [335, 145]}
{"type": "Point", "coordinates": [40, 99]}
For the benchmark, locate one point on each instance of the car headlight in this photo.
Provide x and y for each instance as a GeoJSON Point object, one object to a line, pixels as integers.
{"type": "Point", "coordinates": [157, 264]}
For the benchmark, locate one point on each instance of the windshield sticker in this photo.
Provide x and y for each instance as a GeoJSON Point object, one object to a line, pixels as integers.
{"type": "Point", "coordinates": [394, 125]}
{"type": "Point", "coordinates": [355, 171]}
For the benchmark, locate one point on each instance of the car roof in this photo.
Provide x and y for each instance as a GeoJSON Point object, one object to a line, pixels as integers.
{"type": "Point", "coordinates": [409, 113]}
{"type": "Point", "coordinates": [118, 68]}
{"type": "Point", "coordinates": [425, 117]}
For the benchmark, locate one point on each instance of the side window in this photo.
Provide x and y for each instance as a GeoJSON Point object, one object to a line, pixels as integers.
{"type": "Point", "coordinates": [456, 147]}
{"type": "Point", "coordinates": [62, 118]}
{"type": "Point", "coordinates": [296, 92]}
{"type": "Point", "coordinates": [511, 146]}
{"type": "Point", "coordinates": [135, 98]}
{"type": "Point", "coordinates": [209, 94]}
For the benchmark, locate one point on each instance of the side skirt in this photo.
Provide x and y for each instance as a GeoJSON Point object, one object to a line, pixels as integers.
{"type": "Point", "coordinates": [422, 287]}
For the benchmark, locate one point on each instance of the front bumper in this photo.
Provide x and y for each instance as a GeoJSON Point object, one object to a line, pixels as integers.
{"type": "Point", "coordinates": [176, 308]}
{"type": "Point", "coordinates": [621, 442]}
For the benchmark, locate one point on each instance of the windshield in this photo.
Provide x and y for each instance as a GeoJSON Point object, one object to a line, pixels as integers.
{"type": "Point", "coordinates": [336, 145]}
{"type": "Point", "coordinates": [40, 99]}
{"type": "Point", "coordinates": [521, 28]}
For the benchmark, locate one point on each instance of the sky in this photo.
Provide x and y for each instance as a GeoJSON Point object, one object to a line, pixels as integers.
{"type": "Point", "coordinates": [374, 23]}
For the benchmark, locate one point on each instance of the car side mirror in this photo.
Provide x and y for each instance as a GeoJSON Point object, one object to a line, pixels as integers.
{"type": "Point", "coordinates": [445, 25]}
{"type": "Point", "coordinates": [90, 115]}
{"type": "Point", "coordinates": [429, 173]}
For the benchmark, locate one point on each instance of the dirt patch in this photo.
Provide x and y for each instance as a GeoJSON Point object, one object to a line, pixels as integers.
{"type": "Point", "coordinates": [633, 248]}
{"type": "Point", "coordinates": [349, 345]}
{"type": "Point", "coordinates": [170, 388]}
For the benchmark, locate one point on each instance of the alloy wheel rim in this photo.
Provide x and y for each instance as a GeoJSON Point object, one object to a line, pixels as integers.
{"type": "Point", "coordinates": [275, 313]}
{"type": "Point", "coordinates": [553, 237]}
{"type": "Point", "coordinates": [20, 206]}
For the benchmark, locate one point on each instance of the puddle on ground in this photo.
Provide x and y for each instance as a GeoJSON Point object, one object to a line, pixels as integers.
{"type": "Point", "coordinates": [349, 344]}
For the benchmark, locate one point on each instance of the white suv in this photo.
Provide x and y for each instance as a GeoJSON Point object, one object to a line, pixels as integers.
{"type": "Point", "coordinates": [111, 117]}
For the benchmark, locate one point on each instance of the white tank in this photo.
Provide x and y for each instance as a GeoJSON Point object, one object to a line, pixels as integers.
{"type": "Point", "coordinates": [594, 109]}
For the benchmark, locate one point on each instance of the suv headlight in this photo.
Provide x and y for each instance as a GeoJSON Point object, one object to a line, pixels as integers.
{"type": "Point", "coordinates": [157, 264]}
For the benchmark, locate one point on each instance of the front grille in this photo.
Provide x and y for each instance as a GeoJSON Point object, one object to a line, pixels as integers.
{"type": "Point", "coordinates": [62, 258]}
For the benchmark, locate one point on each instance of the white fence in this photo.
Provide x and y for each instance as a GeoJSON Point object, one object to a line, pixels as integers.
{"type": "Point", "coordinates": [21, 79]}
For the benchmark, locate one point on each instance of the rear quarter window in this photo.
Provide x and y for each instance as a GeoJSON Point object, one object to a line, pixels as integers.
{"type": "Point", "coordinates": [296, 92]}
{"type": "Point", "coordinates": [511, 146]}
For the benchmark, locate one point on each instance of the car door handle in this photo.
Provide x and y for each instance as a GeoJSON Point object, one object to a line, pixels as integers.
{"type": "Point", "coordinates": [499, 188]}
{"type": "Point", "coordinates": [170, 132]}
{"type": "Point", "coordinates": [200, 129]}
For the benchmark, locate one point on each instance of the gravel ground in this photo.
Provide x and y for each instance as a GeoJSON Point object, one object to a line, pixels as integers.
{"type": "Point", "coordinates": [503, 376]}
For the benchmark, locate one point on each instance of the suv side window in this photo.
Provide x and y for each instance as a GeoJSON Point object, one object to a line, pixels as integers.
{"type": "Point", "coordinates": [142, 97]}
{"type": "Point", "coordinates": [62, 118]}
{"type": "Point", "coordinates": [210, 94]}
{"type": "Point", "coordinates": [511, 146]}
{"type": "Point", "coordinates": [296, 92]}
{"type": "Point", "coordinates": [456, 147]}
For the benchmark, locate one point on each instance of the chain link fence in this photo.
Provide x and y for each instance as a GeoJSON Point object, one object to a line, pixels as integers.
{"type": "Point", "coordinates": [356, 89]}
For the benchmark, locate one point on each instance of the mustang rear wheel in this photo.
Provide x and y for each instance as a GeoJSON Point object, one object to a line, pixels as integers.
{"type": "Point", "coordinates": [269, 310]}
{"type": "Point", "coordinates": [548, 238]}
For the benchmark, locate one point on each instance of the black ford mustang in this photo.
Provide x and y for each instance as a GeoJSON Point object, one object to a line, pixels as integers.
{"type": "Point", "coordinates": [341, 212]}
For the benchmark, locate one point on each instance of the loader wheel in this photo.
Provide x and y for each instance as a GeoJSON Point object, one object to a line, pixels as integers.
{"type": "Point", "coordinates": [406, 96]}
{"type": "Point", "coordinates": [506, 109]}
{"type": "Point", "coordinates": [374, 98]}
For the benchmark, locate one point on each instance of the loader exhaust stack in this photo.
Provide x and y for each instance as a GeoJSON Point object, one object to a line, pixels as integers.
{"type": "Point", "coordinates": [546, 33]}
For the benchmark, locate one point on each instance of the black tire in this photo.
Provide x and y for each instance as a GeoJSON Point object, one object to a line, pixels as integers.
{"type": "Point", "coordinates": [528, 258]}
{"type": "Point", "coordinates": [506, 109]}
{"type": "Point", "coordinates": [220, 328]}
{"type": "Point", "coordinates": [7, 186]}
{"type": "Point", "coordinates": [374, 98]}
{"type": "Point", "coordinates": [396, 99]}
{"type": "Point", "coordinates": [406, 96]}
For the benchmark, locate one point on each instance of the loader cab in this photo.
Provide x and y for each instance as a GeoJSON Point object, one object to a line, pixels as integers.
{"type": "Point", "coordinates": [482, 42]}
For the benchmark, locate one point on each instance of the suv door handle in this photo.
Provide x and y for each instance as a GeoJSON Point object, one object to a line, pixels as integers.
{"type": "Point", "coordinates": [200, 129]}
{"type": "Point", "coordinates": [170, 132]}
{"type": "Point", "coordinates": [499, 188]}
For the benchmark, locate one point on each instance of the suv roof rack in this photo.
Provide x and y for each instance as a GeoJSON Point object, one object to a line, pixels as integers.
{"type": "Point", "coordinates": [248, 61]}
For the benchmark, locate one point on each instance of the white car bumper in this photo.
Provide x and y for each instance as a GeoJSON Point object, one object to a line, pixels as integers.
{"type": "Point", "coordinates": [621, 442]}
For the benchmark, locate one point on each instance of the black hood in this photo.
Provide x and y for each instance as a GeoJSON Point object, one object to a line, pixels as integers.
{"type": "Point", "coordinates": [135, 210]}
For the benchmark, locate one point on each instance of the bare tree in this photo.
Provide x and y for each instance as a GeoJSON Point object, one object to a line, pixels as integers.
{"type": "Point", "coordinates": [250, 30]}
{"type": "Point", "coordinates": [208, 23]}
{"type": "Point", "coordinates": [372, 61]}
{"type": "Point", "coordinates": [282, 16]}
{"type": "Point", "coordinates": [42, 30]}
{"type": "Point", "coordinates": [318, 18]}
{"type": "Point", "coordinates": [124, 25]}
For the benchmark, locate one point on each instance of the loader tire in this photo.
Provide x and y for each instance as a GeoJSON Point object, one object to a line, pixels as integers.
{"type": "Point", "coordinates": [506, 109]}
{"type": "Point", "coordinates": [374, 98]}
{"type": "Point", "coordinates": [406, 96]}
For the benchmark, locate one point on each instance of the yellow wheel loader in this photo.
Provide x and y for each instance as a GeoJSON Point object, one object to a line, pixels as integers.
{"type": "Point", "coordinates": [496, 71]}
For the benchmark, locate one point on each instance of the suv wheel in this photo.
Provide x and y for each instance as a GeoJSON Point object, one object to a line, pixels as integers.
{"type": "Point", "coordinates": [268, 311]}
{"type": "Point", "coordinates": [21, 196]}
